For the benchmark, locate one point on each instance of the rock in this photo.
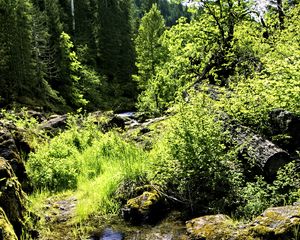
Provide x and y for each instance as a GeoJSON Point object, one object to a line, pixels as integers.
{"type": "Point", "coordinates": [12, 198]}
{"type": "Point", "coordinates": [210, 227]}
{"type": "Point", "coordinates": [109, 120]}
{"type": "Point", "coordinates": [277, 223]}
{"type": "Point", "coordinates": [6, 229]}
{"type": "Point", "coordinates": [146, 208]}
{"type": "Point", "coordinates": [40, 117]}
{"type": "Point", "coordinates": [9, 151]}
{"type": "Point", "coordinates": [116, 122]}
{"type": "Point", "coordinates": [217, 227]}
{"type": "Point", "coordinates": [55, 123]}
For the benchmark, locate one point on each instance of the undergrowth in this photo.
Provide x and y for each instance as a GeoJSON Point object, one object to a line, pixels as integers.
{"type": "Point", "coordinates": [91, 163]}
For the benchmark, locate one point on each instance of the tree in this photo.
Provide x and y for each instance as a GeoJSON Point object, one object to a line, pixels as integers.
{"type": "Point", "coordinates": [148, 47]}
{"type": "Point", "coordinates": [114, 46]}
{"type": "Point", "coordinates": [17, 63]}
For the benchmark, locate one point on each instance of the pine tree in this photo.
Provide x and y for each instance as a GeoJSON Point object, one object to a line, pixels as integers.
{"type": "Point", "coordinates": [148, 48]}
{"type": "Point", "coordinates": [16, 64]}
{"type": "Point", "coordinates": [114, 46]}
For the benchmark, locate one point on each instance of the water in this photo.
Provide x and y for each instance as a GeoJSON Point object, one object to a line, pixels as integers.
{"type": "Point", "coordinates": [170, 228]}
{"type": "Point", "coordinates": [109, 234]}
{"type": "Point", "coordinates": [126, 114]}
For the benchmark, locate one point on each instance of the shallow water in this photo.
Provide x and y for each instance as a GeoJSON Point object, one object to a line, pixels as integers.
{"type": "Point", "coordinates": [170, 228]}
{"type": "Point", "coordinates": [109, 234]}
{"type": "Point", "coordinates": [126, 114]}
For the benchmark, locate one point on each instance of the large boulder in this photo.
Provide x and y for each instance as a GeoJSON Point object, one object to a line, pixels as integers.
{"type": "Point", "coordinates": [277, 223]}
{"type": "Point", "coordinates": [54, 124]}
{"type": "Point", "coordinates": [6, 229]}
{"type": "Point", "coordinates": [12, 198]}
{"type": "Point", "coordinates": [216, 227]}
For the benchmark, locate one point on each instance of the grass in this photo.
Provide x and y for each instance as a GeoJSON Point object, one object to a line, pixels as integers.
{"type": "Point", "coordinates": [120, 161]}
{"type": "Point", "coordinates": [88, 164]}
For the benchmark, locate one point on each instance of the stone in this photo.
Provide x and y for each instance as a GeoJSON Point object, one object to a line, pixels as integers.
{"type": "Point", "coordinates": [9, 151]}
{"type": "Point", "coordinates": [54, 123]}
{"type": "Point", "coordinates": [146, 208]}
{"type": "Point", "coordinates": [6, 229]}
{"type": "Point", "coordinates": [210, 227]}
{"type": "Point", "coordinates": [12, 198]}
{"type": "Point", "coordinates": [276, 223]}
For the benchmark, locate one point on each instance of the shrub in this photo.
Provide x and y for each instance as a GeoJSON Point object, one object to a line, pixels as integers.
{"type": "Point", "coordinates": [193, 161]}
{"type": "Point", "coordinates": [259, 195]}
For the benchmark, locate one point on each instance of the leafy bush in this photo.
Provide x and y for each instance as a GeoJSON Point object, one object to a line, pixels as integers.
{"type": "Point", "coordinates": [259, 195]}
{"type": "Point", "coordinates": [193, 161]}
{"type": "Point", "coordinates": [55, 166]}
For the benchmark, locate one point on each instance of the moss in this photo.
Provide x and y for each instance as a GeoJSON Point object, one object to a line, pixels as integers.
{"type": "Point", "coordinates": [148, 207]}
{"type": "Point", "coordinates": [276, 222]}
{"type": "Point", "coordinates": [6, 229]}
{"type": "Point", "coordinates": [145, 201]}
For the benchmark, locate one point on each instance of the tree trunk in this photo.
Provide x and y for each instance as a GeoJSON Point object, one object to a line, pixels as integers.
{"type": "Point", "coordinates": [258, 151]}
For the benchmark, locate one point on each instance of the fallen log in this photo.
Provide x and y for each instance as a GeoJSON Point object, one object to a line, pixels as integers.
{"type": "Point", "coordinates": [259, 152]}
{"type": "Point", "coordinates": [284, 128]}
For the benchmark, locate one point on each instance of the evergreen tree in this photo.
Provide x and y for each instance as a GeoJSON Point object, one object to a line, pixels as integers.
{"type": "Point", "coordinates": [16, 64]}
{"type": "Point", "coordinates": [114, 47]}
{"type": "Point", "coordinates": [148, 48]}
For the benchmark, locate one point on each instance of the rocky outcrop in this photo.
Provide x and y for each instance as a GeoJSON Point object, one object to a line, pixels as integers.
{"type": "Point", "coordinates": [211, 227]}
{"type": "Point", "coordinates": [278, 223]}
{"type": "Point", "coordinates": [54, 123]}
{"type": "Point", "coordinates": [146, 208]}
{"type": "Point", "coordinates": [12, 198]}
{"type": "Point", "coordinates": [6, 229]}
{"type": "Point", "coordinates": [10, 152]}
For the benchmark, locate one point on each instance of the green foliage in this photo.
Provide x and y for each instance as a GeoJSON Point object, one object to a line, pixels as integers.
{"type": "Point", "coordinates": [70, 82]}
{"type": "Point", "coordinates": [205, 49]}
{"type": "Point", "coordinates": [88, 161]}
{"type": "Point", "coordinates": [192, 160]}
{"type": "Point", "coordinates": [276, 85]}
{"type": "Point", "coordinates": [259, 195]}
{"type": "Point", "coordinates": [148, 48]}
{"type": "Point", "coordinates": [170, 11]}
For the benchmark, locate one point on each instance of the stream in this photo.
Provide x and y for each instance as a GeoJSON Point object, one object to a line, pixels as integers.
{"type": "Point", "coordinates": [170, 228]}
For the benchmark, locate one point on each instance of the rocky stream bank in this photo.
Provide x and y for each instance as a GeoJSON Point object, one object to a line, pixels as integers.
{"type": "Point", "coordinates": [150, 208]}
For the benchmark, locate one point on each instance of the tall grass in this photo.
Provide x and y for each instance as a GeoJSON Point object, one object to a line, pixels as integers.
{"type": "Point", "coordinates": [120, 161]}
{"type": "Point", "coordinates": [90, 163]}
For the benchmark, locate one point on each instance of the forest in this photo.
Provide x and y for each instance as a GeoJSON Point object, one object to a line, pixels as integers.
{"type": "Point", "coordinates": [149, 119]}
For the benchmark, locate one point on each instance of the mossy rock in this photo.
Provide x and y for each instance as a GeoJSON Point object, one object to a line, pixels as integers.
{"type": "Point", "coordinates": [6, 229]}
{"type": "Point", "coordinates": [146, 208]}
{"type": "Point", "coordinates": [9, 151]}
{"type": "Point", "coordinates": [12, 198]}
{"type": "Point", "coordinates": [217, 227]}
{"type": "Point", "coordinates": [278, 223]}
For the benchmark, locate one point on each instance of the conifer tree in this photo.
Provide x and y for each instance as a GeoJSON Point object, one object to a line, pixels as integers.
{"type": "Point", "coordinates": [148, 48]}
{"type": "Point", "coordinates": [16, 64]}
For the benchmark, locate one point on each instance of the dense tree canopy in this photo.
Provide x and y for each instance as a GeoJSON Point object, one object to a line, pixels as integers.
{"type": "Point", "coordinates": [90, 57]}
